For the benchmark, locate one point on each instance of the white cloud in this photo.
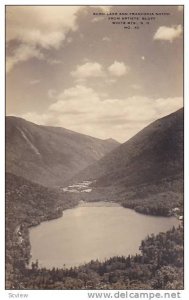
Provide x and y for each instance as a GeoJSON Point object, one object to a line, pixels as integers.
{"type": "Point", "coordinates": [168, 33]}
{"type": "Point", "coordinates": [40, 119]}
{"type": "Point", "coordinates": [48, 40]}
{"type": "Point", "coordinates": [80, 99]}
{"type": "Point", "coordinates": [39, 27]}
{"type": "Point", "coordinates": [118, 69]}
{"type": "Point", "coordinates": [90, 69]}
{"type": "Point", "coordinates": [82, 109]}
{"type": "Point", "coordinates": [106, 39]}
{"type": "Point", "coordinates": [21, 54]}
{"type": "Point", "coordinates": [86, 70]}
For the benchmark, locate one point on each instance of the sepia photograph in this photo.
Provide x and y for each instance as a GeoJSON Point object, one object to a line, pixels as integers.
{"type": "Point", "coordinates": [94, 147]}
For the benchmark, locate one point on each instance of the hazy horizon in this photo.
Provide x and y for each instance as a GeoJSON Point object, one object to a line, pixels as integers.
{"type": "Point", "coordinates": [88, 134]}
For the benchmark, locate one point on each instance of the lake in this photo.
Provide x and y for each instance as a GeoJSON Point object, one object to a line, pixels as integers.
{"type": "Point", "coordinates": [95, 230]}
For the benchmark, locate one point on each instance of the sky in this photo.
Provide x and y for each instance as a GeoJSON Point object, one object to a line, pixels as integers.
{"type": "Point", "coordinates": [70, 66]}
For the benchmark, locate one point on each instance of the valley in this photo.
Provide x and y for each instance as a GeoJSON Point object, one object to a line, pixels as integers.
{"type": "Point", "coordinates": [144, 174]}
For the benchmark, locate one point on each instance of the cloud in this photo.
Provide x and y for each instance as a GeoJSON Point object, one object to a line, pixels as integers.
{"type": "Point", "coordinates": [118, 69]}
{"type": "Point", "coordinates": [93, 70]}
{"type": "Point", "coordinates": [22, 53]}
{"type": "Point", "coordinates": [86, 70]}
{"type": "Point", "coordinates": [39, 27]}
{"type": "Point", "coordinates": [106, 39]}
{"type": "Point", "coordinates": [76, 99]}
{"type": "Point", "coordinates": [168, 33]}
{"type": "Point", "coordinates": [84, 110]}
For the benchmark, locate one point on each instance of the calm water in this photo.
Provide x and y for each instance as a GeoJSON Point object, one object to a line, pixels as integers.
{"type": "Point", "coordinates": [91, 231]}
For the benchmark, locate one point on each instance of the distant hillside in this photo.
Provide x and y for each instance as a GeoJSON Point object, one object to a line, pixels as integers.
{"type": "Point", "coordinates": [50, 155]}
{"type": "Point", "coordinates": [27, 204]}
{"type": "Point", "coordinates": [149, 163]}
{"type": "Point", "coordinates": [156, 152]}
{"type": "Point", "coordinates": [32, 203]}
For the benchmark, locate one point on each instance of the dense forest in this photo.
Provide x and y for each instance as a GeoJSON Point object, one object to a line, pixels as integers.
{"type": "Point", "coordinates": [27, 204]}
{"type": "Point", "coordinates": [158, 199]}
{"type": "Point", "coordinates": [159, 266]}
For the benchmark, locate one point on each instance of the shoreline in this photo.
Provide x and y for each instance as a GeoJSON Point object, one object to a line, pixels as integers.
{"type": "Point", "coordinates": [103, 204]}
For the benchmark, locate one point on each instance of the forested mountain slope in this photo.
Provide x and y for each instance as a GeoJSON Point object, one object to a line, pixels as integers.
{"type": "Point", "coordinates": [50, 155]}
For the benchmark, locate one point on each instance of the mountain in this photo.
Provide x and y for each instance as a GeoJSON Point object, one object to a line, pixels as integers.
{"type": "Point", "coordinates": [151, 161]}
{"type": "Point", "coordinates": [32, 203]}
{"type": "Point", "coordinates": [50, 155]}
{"type": "Point", "coordinates": [27, 204]}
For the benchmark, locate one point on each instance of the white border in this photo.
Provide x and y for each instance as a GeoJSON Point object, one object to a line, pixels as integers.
{"type": "Point", "coordinates": [83, 294]}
